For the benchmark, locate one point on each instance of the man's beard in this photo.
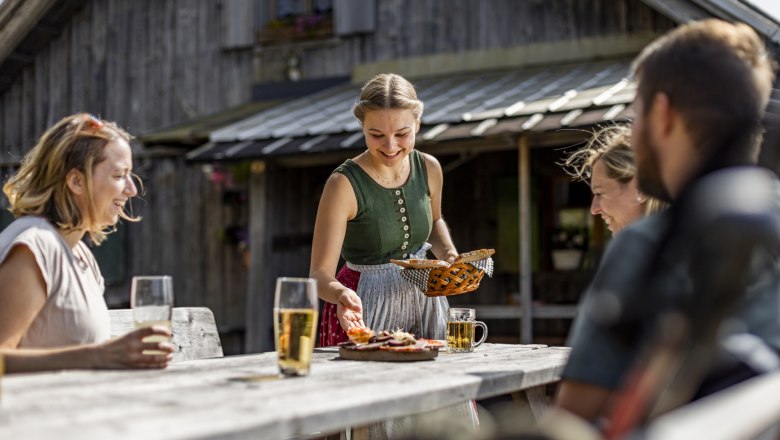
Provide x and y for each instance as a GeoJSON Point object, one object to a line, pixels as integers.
{"type": "Point", "coordinates": [648, 174]}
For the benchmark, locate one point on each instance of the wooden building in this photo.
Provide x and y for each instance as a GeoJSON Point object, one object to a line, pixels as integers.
{"type": "Point", "coordinates": [242, 107]}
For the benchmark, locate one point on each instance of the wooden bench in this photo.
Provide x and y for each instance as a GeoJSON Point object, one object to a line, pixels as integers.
{"type": "Point", "coordinates": [195, 332]}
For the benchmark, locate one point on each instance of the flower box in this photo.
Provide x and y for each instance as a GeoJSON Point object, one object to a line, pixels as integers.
{"type": "Point", "coordinates": [298, 28]}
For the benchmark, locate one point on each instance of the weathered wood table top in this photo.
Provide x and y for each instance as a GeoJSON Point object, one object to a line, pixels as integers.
{"type": "Point", "coordinates": [242, 396]}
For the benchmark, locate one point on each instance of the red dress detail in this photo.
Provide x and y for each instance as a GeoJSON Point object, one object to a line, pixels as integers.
{"type": "Point", "coordinates": [331, 332]}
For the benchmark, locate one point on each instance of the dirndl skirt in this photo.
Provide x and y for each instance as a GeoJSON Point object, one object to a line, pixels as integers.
{"type": "Point", "coordinates": [390, 302]}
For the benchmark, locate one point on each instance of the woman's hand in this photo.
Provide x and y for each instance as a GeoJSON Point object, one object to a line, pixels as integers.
{"type": "Point", "coordinates": [349, 310]}
{"type": "Point", "coordinates": [450, 255]}
{"type": "Point", "coordinates": [127, 351]}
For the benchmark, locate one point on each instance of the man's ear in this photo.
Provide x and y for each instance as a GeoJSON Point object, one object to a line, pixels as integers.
{"type": "Point", "coordinates": [76, 182]}
{"type": "Point", "coordinates": [417, 130]}
{"type": "Point", "coordinates": [663, 114]}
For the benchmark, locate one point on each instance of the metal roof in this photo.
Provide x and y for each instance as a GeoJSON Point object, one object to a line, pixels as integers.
{"type": "Point", "coordinates": [463, 106]}
{"type": "Point", "coordinates": [197, 131]}
{"type": "Point", "coordinates": [751, 13]}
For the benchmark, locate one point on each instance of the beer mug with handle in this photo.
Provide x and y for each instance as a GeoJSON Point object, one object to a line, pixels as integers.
{"type": "Point", "coordinates": [295, 324]}
{"type": "Point", "coordinates": [461, 325]}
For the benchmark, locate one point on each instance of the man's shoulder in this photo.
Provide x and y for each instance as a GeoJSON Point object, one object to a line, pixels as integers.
{"type": "Point", "coordinates": [648, 228]}
{"type": "Point", "coordinates": [640, 237]}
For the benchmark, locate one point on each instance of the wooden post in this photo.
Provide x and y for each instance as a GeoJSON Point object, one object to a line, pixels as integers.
{"type": "Point", "coordinates": [524, 204]}
{"type": "Point", "coordinates": [258, 300]}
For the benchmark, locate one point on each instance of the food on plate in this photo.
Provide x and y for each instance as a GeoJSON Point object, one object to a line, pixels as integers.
{"type": "Point", "coordinates": [408, 348]}
{"type": "Point", "coordinates": [360, 335]}
{"type": "Point", "coordinates": [396, 341]}
{"type": "Point", "coordinates": [432, 343]}
{"type": "Point", "coordinates": [401, 338]}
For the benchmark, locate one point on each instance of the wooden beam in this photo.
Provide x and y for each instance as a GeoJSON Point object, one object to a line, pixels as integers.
{"type": "Point", "coordinates": [17, 19]}
{"type": "Point", "coordinates": [524, 204]}
{"type": "Point", "coordinates": [535, 54]}
{"type": "Point", "coordinates": [680, 11]}
{"type": "Point", "coordinates": [259, 300]}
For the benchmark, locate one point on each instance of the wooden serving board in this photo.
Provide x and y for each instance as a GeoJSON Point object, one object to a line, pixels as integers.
{"type": "Point", "coordinates": [427, 354]}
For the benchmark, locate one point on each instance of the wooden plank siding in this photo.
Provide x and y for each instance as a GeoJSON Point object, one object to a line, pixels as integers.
{"type": "Point", "coordinates": [182, 235]}
{"type": "Point", "coordinates": [291, 198]}
{"type": "Point", "coordinates": [148, 64]}
{"type": "Point", "coordinates": [410, 28]}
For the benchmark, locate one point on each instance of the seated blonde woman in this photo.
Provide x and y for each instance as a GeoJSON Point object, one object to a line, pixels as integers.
{"type": "Point", "coordinates": [76, 181]}
{"type": "Point", "coordinates": [607, 164]}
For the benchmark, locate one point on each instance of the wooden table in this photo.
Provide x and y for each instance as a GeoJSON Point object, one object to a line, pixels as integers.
{"type": "Point", "coordinates": [242, 396]}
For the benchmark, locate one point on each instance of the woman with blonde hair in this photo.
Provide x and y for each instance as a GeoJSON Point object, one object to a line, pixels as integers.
{"type": "Point", "coordinates": [606, 163]}
{"type": "Point", "coordinates": [384, 203]}
{"type": "Point", "coordinates": [75, 182]}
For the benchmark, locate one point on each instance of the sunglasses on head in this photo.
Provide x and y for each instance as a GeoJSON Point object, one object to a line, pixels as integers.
{"type": "Point", "coordinates": [88, 123]}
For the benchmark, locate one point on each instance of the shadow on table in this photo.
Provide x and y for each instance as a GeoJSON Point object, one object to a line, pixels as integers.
{"type": "Point", "coordinates": [508, 416]}
{"type": "Point", "coordinates": [504, 423]}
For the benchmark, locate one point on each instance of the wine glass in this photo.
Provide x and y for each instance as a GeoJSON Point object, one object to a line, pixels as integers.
{"type": "Point", "coordinates": [151, 299]}
{"type": "Point", "coordinates": [295, 324]}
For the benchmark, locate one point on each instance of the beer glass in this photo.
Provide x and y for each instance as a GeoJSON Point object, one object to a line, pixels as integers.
{"type": "Point", "coordinates": [295, 324]}
{"type": "Point", "coordinates": [460, 330]}
{"type": "Point", "coordinates": [151, 298]}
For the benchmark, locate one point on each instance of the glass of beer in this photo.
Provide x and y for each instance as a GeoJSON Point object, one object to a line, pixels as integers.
{"type": "Point", "coordinates": [461, 325]}
{"type": "Point", "coordinates": [151, 298]}
{"type": "Point", "coordinates": [295, 324]}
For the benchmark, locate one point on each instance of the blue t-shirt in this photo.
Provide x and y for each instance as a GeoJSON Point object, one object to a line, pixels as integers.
{"type": "Point", "coordinates": [602, 353]}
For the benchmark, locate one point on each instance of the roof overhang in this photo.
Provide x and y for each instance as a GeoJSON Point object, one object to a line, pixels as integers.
{"type": "Point", "coordinates": [467, 111]}
{"type": "Point", "coordinates": [196, 131]}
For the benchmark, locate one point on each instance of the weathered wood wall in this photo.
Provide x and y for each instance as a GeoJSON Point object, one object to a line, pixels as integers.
{"type": "Point", "coordinates": [292, 198]}
{"type": "Point", "coordinates": [410, 28]}
{"type": "Point", "coordinates": [145, 63]}
{"type": "Point", "coordinates": [183, 234]}
{"type": "Point", "coordinates": [148, 64]}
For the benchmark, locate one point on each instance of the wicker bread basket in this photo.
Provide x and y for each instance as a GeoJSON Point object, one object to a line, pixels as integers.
{"type": "Point", "coordinates": [437, 278]}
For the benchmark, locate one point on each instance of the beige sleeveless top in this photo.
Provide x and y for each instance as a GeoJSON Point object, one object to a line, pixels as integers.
{"type": "Point", "coordinates": [75, 311]}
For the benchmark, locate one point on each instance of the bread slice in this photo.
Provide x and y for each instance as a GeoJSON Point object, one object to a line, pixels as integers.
{"type": "Point", "coordinates": [420, 264]}
{"type": "Point", "coordinates": [476, 255]}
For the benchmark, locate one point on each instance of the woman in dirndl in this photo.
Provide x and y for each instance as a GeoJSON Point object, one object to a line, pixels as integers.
{"type": "Point", "coordinates": [384, 203]}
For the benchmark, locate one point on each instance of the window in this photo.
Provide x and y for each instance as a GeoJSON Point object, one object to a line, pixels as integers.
{"type": "Point", "coordinates": [290, 20]}
{"type": "Point", "coordinates": [285, 9]}
{"type": "Point", "coordinates": [285, 20]}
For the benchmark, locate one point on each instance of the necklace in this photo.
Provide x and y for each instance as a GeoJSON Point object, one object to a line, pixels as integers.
{"type": "Point", "coordinates": [388, 182]}
{"type": "Point", "coordinates": [80, 260]}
